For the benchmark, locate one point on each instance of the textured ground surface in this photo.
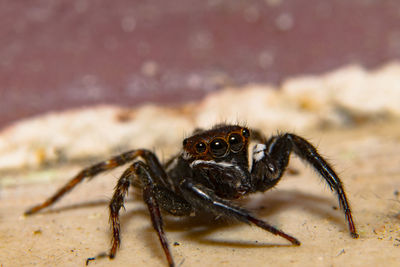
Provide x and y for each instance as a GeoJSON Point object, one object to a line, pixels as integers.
{"type": "Point", "coordinates": [76, 228]}
{"type": "Point", "coordinates": [361, 141]}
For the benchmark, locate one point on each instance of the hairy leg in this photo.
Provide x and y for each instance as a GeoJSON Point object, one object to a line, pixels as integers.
{"type": "Point", "coordinates": [202, 197]}
{"type": "Point", "coordinates": [95, 169]}
{"type": "Point", "coordinates": [272, 158]}
{"type": "Point", "coordinates": [155, 196]}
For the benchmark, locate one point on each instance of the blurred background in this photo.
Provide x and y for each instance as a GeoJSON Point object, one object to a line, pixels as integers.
{"type": "Point", "coordinates": [60, 54]}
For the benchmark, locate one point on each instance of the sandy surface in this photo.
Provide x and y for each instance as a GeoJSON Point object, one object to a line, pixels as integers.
{"type": "Point", "coordinates": [77, 227]}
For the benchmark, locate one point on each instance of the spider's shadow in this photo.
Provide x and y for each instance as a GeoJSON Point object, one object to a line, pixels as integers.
{"type": "Point", "coordinates": [81, 205]}
{"type": "Point", "coordinates": [200, 228]}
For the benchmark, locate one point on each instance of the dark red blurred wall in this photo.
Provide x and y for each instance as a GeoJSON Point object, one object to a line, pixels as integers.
{"type": "Point", "coordinates": [56, 54]}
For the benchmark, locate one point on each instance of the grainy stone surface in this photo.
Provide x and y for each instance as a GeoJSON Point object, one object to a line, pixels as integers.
{"type": "Point", "coordinates": [363, 149]}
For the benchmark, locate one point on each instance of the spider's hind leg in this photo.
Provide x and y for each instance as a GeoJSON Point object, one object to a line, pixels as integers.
{"type": "Point", "coordinates": [89, 173]}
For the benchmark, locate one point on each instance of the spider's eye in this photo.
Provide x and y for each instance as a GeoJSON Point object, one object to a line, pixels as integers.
{"type": "Point", "coordinates": [185, 142]}
{"type": "Point", "coordinates": [246, 132]}
{"type": "Point", "coordinates": [236, 142]}
{"type": "Point", "coordinates": [200, 147]}
{"type": "Point", "coordinates": [218, 147]}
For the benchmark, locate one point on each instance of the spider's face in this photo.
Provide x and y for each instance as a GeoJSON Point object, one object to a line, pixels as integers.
{"type": "Point", "coordinates": [221, 143]}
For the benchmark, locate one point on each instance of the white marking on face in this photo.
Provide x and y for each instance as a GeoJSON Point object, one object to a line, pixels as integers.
{"type": "Point", "coordinates": [220, 164]}
{"type": "Point", "coordinates": [211, 162]}
{"type": "Point", "coordinates": [259, 152]}
{"type": "Point", "coordinates": [225, 164]}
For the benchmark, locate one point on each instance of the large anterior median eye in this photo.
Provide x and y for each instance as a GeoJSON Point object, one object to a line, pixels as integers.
{"type": "Point", "coordinates": [236, 142]}
{"type": "Point", "coordinates": [218, 147]}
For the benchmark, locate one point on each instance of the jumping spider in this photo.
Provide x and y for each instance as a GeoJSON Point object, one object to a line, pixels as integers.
{"type": "Point", "coordinates": [212, 170]}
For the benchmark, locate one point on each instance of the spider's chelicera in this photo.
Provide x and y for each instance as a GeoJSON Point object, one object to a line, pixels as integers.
{"type": "Point", "coordinates": [212, 169]}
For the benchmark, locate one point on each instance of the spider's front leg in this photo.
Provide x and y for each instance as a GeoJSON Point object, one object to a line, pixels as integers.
{"type": "Point", "coordinates": [155, 195]}
{"type": "Point", "coordinates": [140, 170]}
{"type": "Point", "coordinates": [204, 198]}
{"type": "Point", "coordinates": [271, 158]}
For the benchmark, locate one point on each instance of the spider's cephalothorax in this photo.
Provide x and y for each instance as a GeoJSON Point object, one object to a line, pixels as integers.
{"type": "Point", "coordinates": [219, 159]}
{"type": "Point", "coordinates": [212, 170]}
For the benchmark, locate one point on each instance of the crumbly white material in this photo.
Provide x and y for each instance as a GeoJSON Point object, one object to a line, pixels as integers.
{"type": "Point", "coordinates": [348, 96]}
